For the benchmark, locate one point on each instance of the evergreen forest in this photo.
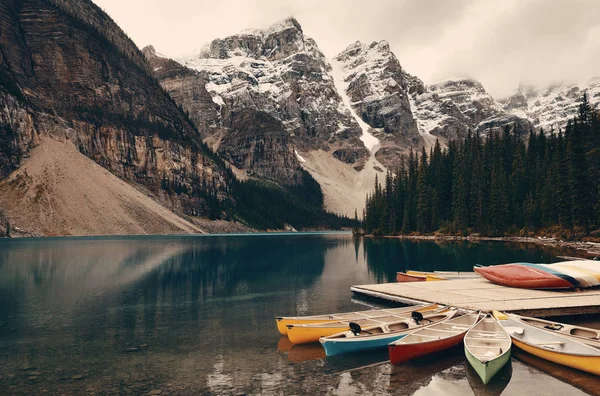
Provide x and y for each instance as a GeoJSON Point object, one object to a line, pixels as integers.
{"type": "Point", "coordinates": [497, 185]}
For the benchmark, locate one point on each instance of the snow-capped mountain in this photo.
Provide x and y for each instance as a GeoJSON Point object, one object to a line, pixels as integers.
{"type": "Point", "coordinates": [377, 88]}
{"type": "Point", "coordinates": [282, 72]}
{"type": "Point", "coordinates": [269, 102]}
{"type": "Point", "coordinates": [405, 113]}
{"type": "Point", "coordinates": [550, 108]}
{"type": "Point", "coordinates": [448, 109]}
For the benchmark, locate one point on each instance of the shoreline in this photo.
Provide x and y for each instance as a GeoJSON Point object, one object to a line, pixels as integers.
{"type": "Point", "coordinates": [590, 249]}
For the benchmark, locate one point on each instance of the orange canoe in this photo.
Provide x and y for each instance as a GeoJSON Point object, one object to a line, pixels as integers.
{"type": "Point", "coordinates": [404, 277]}
{"type": "Point", "coordinates": [525, 276]}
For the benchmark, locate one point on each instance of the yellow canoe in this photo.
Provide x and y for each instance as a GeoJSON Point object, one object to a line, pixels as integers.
{"type": "Point", "coordinates": [307, 333]}
{"type": "Point", "coordinates": [284, 321]}
{"type": "Point", "coordinates": [443, 275]}
{"type": "Point", "coordinates": [550, 346]}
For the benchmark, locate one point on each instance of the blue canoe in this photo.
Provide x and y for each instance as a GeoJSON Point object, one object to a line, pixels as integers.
{"type": "Point", "coordinates": [379, 336]}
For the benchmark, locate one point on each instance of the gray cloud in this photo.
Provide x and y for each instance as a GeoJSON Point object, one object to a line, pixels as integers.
{"type": "Point", "coordinates": [501, 43]}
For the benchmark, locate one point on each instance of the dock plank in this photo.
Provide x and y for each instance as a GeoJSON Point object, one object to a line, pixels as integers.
{"type": "Point", "coordinates": [479, 294]}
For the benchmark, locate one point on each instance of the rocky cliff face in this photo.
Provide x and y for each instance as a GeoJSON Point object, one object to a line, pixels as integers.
{"type": "Point", "coordinates": [550, 108]}
{"type": "Point", "coordinates": [378, 87]}
{"type": "Point", "coordinates": [90, 86]}
{"type": "Point", "coordinates": [281, 72]}
{"type": "Point", "coordinates": [447, 110]}
{"type": "Point", "coordinates": [250, 139]}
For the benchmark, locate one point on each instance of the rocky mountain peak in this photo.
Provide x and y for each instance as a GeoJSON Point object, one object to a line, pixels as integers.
{"type": "Point", "coordinates": [550, 107]}
{"type": "Point", "coordinates": [149, 51]}
{"type": "Point", "coordinates": [278, 41]}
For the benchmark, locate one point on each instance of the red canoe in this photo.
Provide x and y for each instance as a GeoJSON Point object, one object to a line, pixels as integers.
{"type": "Point", "coordinates": [430, 339]}
{"type": "Point", "coordinates": [403, 277]}
{"type": "Point", "coordinates": [521, 276]}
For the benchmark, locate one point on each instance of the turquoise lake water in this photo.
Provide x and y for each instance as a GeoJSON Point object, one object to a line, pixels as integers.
{"type": "Point", "coordinates": [195, 315]}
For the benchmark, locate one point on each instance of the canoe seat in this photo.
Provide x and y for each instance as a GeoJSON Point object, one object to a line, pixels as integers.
{"type": "Point", "coordinates": [460, 327]}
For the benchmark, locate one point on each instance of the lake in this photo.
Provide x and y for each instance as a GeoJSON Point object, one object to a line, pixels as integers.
{"type": "Point", "coordinates": [195, 315]}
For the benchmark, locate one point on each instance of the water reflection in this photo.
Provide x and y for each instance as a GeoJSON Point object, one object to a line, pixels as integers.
{"type": "Point", "coordinates": [495, 387]}
{"type": "Point", "coordinates": [193, 315]}
{"type": "Point", "coordinates": [386, 256]}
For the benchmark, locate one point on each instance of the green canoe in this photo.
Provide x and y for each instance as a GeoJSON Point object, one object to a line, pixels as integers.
{"type": "Point", "coordinates": [487, 348]}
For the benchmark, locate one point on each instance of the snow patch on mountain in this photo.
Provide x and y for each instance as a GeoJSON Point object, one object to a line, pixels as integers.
{"type": "Point", "coordinates": [339, 79]}
{"type": "Point", "coordinates": [551, 107]}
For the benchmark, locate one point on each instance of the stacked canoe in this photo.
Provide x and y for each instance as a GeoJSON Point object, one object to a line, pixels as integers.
{"type": "Point", "coordinates": [563, 275]}
{"type": "Point", "coordinates": [424, 276]}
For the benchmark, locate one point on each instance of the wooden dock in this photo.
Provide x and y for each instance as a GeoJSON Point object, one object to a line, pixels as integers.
{"type": "Point", "coordinates": [479, 294]}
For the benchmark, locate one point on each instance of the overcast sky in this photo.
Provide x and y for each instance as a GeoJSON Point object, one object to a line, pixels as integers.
{"type": "Point", "coordinates": [499, 42]}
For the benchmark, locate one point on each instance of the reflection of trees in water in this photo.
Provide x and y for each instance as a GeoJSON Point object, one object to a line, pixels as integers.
{"type": "Point", "coordinates": [385, 256]}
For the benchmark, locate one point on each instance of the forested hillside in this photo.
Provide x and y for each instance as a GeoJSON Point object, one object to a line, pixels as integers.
{"type": "Point", "coordinates": [497, 185]}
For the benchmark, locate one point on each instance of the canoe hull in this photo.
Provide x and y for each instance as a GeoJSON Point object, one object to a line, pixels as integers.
{"type": "Point", "coordinates": [306, 335]}
{"type": "Point", "coordinates": [402, 277]}
{"type": "Point", "coordinates": [282, 323]}
{"type": "Point", "coordinates": [338, 347]}
{"type": "Point", "coordinates": [589, 364]}
{"type": "Point", "coordinates": [524, 277]}
{"type": "Point", "coordinates": [404, 352]}
{"type": "Point", "coordinates": [489, 369]}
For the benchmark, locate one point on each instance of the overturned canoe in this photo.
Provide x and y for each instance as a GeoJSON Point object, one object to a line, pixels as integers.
{"type": "Point", "coordinates": [431, 339]}
{"type": "Point", "coordinates": [284, 321]}
{"type": "Point", "coordinates": [307, 333]}
{"type": "Point", "coordinates": [583, 334]}
{"type": "Point", "coordinates": [378, 336]}
{"type": "Point", "coordinates": [563, 275]}
{"type": "Point", "coordinates": [487, 348]}
{"type": "Point", "coordinates": [525, 276]}
{"type": "Point", "coordinates": [551, 346]}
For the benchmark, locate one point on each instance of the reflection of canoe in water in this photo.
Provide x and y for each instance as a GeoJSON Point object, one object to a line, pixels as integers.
{"type": "Point", "coordinates": [583, 334]}
{"type": "Point", "coordinates": [411, 376]}
{"type": "Point", "coordinates": [487, 348]}
{"type": "Point", "coordinates": [565, 275]}
{"type": "Point", "coordinates": [380, 336]}
{"type": "Point", "coordinates": [584, 381]}
{"type": "Point", "coordinates": [431, 339]}
{"type": "Point", "coordinates": [493, 388]}
{"type": "Point", "coordinates": [306, 333]}
{"type": "Point", "coordinates": [551, 346]}
{"type": "Point", "coordinates": [300, 353]}
{"type": "Point", "coordinates": [283, 321]}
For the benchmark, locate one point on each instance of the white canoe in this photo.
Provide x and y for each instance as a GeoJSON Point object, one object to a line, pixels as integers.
{"type": "Point", "coordinates": [583, 334]}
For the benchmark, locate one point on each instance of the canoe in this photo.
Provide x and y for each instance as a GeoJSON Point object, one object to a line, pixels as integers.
{"type": "Point", "coordinates": [430, 339]}
{"type": "Point", "coordinates": [404, 277]}
{"type": "Point", "coordinates": [586, 335]}
{"type": "Point", "coordinates": [307, 333]}
{"type": "Point", "coordinates": [439, 275]}
{"type": "Point", "coordinates": [563, 275]}
{"type": "Point", "coordinates": [551, 346]}
{"type": "Point", "coordinates": [496, 386]}
{"type": "Point", "coordinates": [284, 321]}
{"type": "Point", "coordinates": [487, 348]}
{"type": "Point", "coordinates": [375, 337]}
{"type": "Point", "coordinates": [522, 275]}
